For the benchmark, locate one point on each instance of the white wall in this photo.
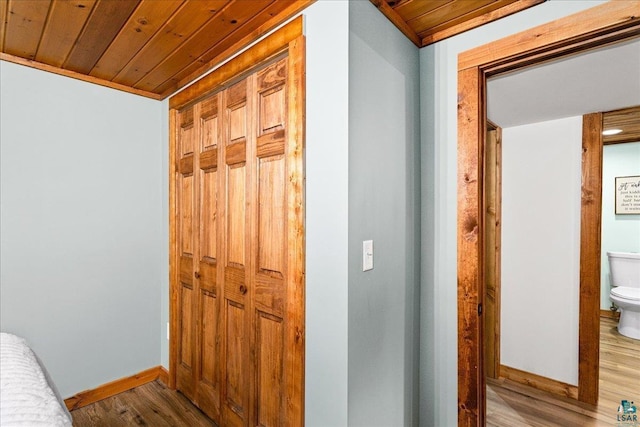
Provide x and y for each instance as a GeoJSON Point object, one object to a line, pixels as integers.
{"type": "Point", "coordinates": [540, 275]}
{"type": "Point", "coordinates": [81, 227]}
{"type": "Point", "coordinates": [384, 199]}
{"type": "Point", "coordinates": [620, 233]}
{"type": "Point", "coordinates": [438, 299]}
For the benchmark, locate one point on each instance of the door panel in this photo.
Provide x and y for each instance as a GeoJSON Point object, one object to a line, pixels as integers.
{"type": "Point", "coordinates": [235, 352]}
{"type": "Point", "coordinates": [236, 215]}
{"type": "Point", "coordinates": [271, 222]}
{"type": "Point", "coordinates": [209, 383]}
{"type": "Point", "coordinates": [270, 341]}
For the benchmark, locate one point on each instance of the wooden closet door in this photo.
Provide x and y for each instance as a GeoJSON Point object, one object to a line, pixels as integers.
{"type": "Point", "coordinates": [255, 241]}
{"type": "Point", "coordinates": [268, 245]}
{"type": "Point", "coordinates": [237, 249]}
{"type": "Point", "coordinates": [209, 241]}
{"type": "Point", "coordinates": [236, 234]}
{"type": "Point", "coordinates": [187, 247]}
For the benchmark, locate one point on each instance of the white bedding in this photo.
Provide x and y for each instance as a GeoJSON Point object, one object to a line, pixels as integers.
{"type": "Point", "coordinates": [26, 398]}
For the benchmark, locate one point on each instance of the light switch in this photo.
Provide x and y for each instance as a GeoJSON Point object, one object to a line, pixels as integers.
{"type": "Point", "coordinates": [367, 255]}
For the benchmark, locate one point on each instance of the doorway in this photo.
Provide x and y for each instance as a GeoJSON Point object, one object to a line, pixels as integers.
{"type": "Point", "coordinates": [599, 26]}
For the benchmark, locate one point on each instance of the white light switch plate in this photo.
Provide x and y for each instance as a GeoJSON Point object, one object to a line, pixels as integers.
{"type": "Point", "coordinates": [367, 255]}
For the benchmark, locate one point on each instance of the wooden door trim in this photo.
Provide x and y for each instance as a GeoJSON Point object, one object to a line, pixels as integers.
{"type": "Point", "coordinates": [590, 220]}
{"type": "Point", "coordinates": [493, 227]}
{"type": "Point", "coordinates": [288, 40]}
{"type": "Point", "coordinates": [600, 25]}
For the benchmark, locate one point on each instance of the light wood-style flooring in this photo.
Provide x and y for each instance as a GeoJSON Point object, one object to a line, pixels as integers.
{"type": "Point", "coordinates": [508, 404]}
{"type": "Point", "coordinates": [151, 404]}
{"type": "Point", "coordinates": [512, 405]}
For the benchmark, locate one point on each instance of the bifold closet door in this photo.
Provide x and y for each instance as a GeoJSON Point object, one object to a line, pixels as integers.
{"type": "Point", "coordinates": [233, 216]}
{"type": "Point", "coordinates": [236, 239]}
{"type": "Point", "coordinates": [198, 371]}
{"type": "Point", "coordinates": [268, 246]}
{"type": "Point", "coordinates": [187, 246]}
{"type": "Point", "coordinates": [255, 242]}
{"type": "Point", "coordinates": [208, 278]}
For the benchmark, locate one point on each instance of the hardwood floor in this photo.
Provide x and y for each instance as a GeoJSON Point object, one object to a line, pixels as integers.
{"type": "Point", "coordinates": [151, 404]}
{"type": "Point", "coordinates": [510, 404]}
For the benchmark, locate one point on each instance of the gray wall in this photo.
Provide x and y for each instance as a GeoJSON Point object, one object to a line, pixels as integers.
{"type": "Point", "coordinates": [81, 226]}
{"type": "Point", "coordinates": [384, 206]}
{"type": "Point", "coordinates": [326, 28]}
{"type": "Point", "coordinates": [438, 280]}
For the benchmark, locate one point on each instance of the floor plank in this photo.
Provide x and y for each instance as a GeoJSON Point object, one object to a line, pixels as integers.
{"type": "Point", "coordinates": [152, 404]}
{"type": "Point", "coordinates": [513, 405]}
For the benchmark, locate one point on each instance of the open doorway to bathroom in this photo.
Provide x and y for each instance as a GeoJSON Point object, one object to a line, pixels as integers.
{"type": "Point", "coordinates": [602, 25]}
{"type": "Point", "coordinates": [521, 397]}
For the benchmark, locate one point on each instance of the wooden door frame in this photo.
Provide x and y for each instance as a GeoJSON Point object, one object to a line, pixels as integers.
{"type": "Point", "coordinates": [492, 205]}
{"type": "Point", "coordinates": [289, 39]}
{"type": "Point", "coordinates": [595, 27]}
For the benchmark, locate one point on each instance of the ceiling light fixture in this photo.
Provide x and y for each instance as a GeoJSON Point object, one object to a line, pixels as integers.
{"type": "Point", "coordinates": [610, 132]}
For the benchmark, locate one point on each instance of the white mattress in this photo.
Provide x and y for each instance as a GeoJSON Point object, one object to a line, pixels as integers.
{"type": "Point", "coordinates": [27, 399]}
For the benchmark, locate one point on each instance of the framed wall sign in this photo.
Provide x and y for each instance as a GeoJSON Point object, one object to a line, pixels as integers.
{"type": "Point", "coordinates": [628, 195]}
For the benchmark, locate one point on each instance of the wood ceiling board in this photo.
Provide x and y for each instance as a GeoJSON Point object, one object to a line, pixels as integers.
{"type": "Point", "coordinates": [64, 25]}
{"type": "Point", "coordinates": [218, 29]}
{"type": "Point", "coordinates": [412, 9]}
{"type": "Point", "coordinates": [262, 24]}
{"type": "Point", "coordinates": [144, 23]}
{"type": "Point", "coordinates": [425, 22]}
{"type": "Point", "coordinates": [443, 15]}
{"type": "Point", "coordinates": [3, 22]}
{"type": "Point", "coordinates": [104, 24]}
{"type": "Point", "coordinates": [25, 22]}
{"type": "Point", "coordinates": [189, 19]}
{"type": "Point", "coordinates": [470, 24]}
{"type": "Point", "coordinates": [628, 120]}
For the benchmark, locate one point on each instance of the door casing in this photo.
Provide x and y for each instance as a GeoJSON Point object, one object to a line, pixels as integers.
{"type": "Point", "coordinates": [605, 24]}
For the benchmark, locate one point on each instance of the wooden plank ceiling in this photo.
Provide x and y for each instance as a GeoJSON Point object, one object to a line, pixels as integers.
{"type": "Point", "coordinates": [148, 47]}
{"type": "Point", "coordinates": [428, 21]}
{"type": "Point", "coordinates": [155, 47]}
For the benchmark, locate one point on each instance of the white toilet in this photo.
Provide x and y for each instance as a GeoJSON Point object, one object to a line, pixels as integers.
{"type": "Point", "coordinates": [625, 277]}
